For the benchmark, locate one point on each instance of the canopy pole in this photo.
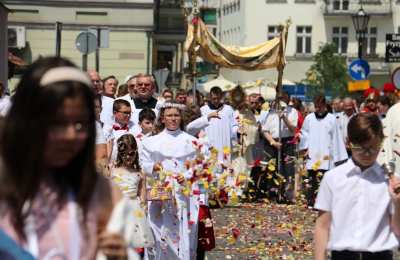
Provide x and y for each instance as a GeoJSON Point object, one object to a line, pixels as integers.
{"type": "Point", "coordinates": [279, 109]}
{"type": "Point", "coordinates": [195, 22]}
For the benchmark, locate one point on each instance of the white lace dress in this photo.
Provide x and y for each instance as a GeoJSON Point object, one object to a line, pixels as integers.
{"type": "Point", "coordinates": [134, 226]}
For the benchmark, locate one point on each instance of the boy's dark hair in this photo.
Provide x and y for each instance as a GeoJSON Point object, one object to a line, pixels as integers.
{"type": "Point", "coordinates": [147, 113]}
{"type": "Point", "coordinates": [385, 100]}
{"type": "Point", "coordinates": [118, 103]}
{"type": "Point", "coordinates": [110, 77]}
{"type": "Point", "coordinates": [319, 100]}
{"type": "Point", "coordinates": [364, 127]}
{"type": "Point", "coordinates": [165, 90]}
{"type": "Point", "coordinates": [216, 91]}
{"type": "Point", "coordinates": [180, 92]}
{"type": "Point", "coordinates": [122, 90]}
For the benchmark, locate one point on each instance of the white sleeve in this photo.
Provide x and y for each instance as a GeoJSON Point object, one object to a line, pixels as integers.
{"type": "Point", "coordinates": [108, 132]}
{"type": "Point", "coordinates": [324, 197]}
{"type": "Point", "coordinates": [339, 148]}
{"type": "Point", "coordinates": [146, 160]}
{"type": "Point", "coordinates": [304, 134]}
{"type": "Point", "coordinates": [100, 138]}
{"type": "Point", "coordinates": [197, 125]}
{"type": "Point", "coordinates": [293, 117]}
{"type": "Point", "coordinates": [234, 125]}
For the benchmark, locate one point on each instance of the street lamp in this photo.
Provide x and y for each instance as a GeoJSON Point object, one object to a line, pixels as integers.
{"type": "Point", "coordinates": [360, 22]}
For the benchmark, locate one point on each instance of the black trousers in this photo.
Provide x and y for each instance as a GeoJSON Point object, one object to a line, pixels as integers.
{"type": "Point", "coordinates": [284, 191]}
{"type": "Point", "coordinates": [350, 255]}
{"type": "Point", "coordinates": [312, 186]}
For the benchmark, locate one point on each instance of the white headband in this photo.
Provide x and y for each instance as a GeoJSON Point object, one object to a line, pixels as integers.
{"type": "Point", "coordinates": [173, 105]}
{"type": "Point", "coordinates": [64, 74]}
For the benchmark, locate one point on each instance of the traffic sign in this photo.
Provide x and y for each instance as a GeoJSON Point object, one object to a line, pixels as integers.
{"type": "Point", "coordinates": [358, 85]}
{"type": "Point", "coordinates": [392, 53]}
{"type": "Point", "coordinates": [396, 77]}
{"type": "Point", "coordinates": [86, 42]}
{"type": "Point", "coordinates": [359, 69]}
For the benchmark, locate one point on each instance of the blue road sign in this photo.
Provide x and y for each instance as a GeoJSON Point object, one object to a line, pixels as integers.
{"type": "Point", "coordinates": [359, 69]}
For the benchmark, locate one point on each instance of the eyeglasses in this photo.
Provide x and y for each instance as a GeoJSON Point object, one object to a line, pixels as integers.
{"type": "Point", "coordinates": [127, 113]}
{"type": "Point", "coordinates": [365, 150]}
{"type": "Point", "coordinates": [144, 84]}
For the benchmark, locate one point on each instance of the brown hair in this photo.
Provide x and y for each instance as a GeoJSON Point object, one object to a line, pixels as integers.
{"type": "Point", "coordinates": [180, 92]}
{"type": "Point", "coordinates": [319, 100]}
{"type": "Point", "coordinates": [364, 127]}
{"type": "Point", "coordinates": [34, 111]}
{"type": "Point", "coordinates": [122, 90]}
{"type": "Point", "coordinates": [124, 144]}
{"type": "Point", "coordinates": [118, 103]}
{"type": "Point", "coordinates": [190, 114]}
{"type": "Point", "coordinates": [160, 125]}
{"type": "Point", "coordinates": [109, 77]}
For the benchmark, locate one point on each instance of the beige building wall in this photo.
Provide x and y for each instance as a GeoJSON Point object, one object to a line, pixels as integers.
{"type": "Point", "coordinates": [249, 26]}
{"type": "Point", "coordinates": [130, 27]}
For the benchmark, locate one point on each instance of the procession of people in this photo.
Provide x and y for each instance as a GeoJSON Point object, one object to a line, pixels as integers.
{"type": "Point", "coordinates": [91, 169]}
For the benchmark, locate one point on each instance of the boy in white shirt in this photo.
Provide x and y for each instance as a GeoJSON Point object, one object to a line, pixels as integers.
{"type": "Point", "coordinates": [145, 128]}
{"type": "Point", "coordinates": [359, 210]}
{"type": "Point", "coordinates": [122, 125]}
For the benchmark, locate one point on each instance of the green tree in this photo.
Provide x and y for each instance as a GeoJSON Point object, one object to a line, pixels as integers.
{"type": "Point", "coordinates": [328, 74]}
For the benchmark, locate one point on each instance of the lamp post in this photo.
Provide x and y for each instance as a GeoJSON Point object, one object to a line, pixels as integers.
{"type": "Point", "coordinates": [360, 22]}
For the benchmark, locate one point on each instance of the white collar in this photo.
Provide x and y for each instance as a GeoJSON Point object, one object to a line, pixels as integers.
{"type": "Point", "coordinates": [374, 168]}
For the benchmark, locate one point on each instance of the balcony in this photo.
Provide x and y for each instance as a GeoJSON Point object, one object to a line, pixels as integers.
{"type": "Point", "coordinates": [168, 17]}
{"type": "Point", "coordinates": [350, 7]}
{"type": "Point", "coordinates": [170, 4]}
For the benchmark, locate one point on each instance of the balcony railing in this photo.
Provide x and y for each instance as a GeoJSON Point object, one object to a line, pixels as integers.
{"type": "Point", "coordinates": [170, 3]}
{"type": "Point", "coordinates": [349, 7]}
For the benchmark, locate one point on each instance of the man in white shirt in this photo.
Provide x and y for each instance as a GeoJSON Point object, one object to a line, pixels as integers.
{"type": "Point", "coordinates": [359, 209]}
{"type": "Point", "coordinates": [110, 84]}
{"type": "Point", "coordinates": [222, 130]}
{"type": "Point", "coordinates": [141, 96]}
{"type": "Point", "coordinates": [323, 144]}
{"type": "Point", "coordinates": [96, 81]}
{"type": "Point", "coordinates": [279, 128]}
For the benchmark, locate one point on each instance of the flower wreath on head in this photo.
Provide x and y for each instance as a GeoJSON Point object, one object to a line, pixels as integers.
{"type": "Point", "coordinates": [173, 105]}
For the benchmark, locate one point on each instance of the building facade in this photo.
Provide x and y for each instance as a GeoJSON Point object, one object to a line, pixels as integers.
{"type": "Point", "coordinates": [170, 33]}
{"type": "Point", "coordinates": [126, 28]}
{"type": "Point", "coordinates": [314, 22]}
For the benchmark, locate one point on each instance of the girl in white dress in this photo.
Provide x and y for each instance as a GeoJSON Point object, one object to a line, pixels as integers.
{"type": "Point", "coordinates": [128, 177]}
{"type": "Point", "coordinates": [164, 157]}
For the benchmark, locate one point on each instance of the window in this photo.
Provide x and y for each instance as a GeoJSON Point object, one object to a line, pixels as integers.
{"type": "Point", "coordinates": [340, 38]}
{"type": "Point", "coordinates": [370, 41]}
{"type": "Point", "coordinates": [273, 31]}
{"type": "Point", "coordinates": [341, 5]}
{"type": "Point", "coordinates": [303, 37]}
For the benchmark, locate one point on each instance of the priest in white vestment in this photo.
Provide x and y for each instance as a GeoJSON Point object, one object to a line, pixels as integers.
{"type": "Point", "coordinates": [174, 228]}
{"type": "Point", "coordinates": [322, 142]}
{"type": "Point", "coordinates": [220, 131]}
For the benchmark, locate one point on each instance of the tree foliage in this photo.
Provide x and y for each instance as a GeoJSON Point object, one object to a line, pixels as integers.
{"type": "Point", "coordinates": [328, 74]}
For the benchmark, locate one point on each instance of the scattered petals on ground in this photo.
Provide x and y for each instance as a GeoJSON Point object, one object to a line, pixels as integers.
{"type": "Point", "coordinates": [263, 231]}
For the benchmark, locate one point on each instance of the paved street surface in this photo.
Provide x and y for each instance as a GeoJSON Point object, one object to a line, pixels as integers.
{"type": "Point", "coordinates": [263, 231]}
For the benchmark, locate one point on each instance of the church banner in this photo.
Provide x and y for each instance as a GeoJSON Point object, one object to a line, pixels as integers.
{"type": "Point", "coordinates": [269, 54]}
